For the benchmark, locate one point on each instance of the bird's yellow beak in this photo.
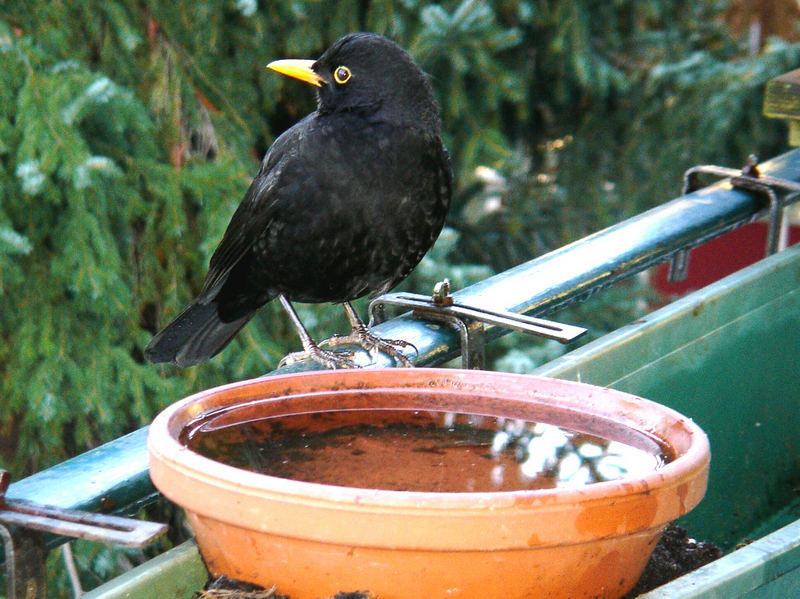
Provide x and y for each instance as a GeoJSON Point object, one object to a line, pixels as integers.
{"type": "Point", "coordinates": [299, 69]}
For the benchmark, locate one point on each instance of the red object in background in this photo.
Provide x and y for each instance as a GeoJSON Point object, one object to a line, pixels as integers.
{"type": "Point", "coordinates": [718, 258]}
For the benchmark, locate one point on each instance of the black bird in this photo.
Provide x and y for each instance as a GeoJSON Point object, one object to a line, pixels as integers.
{"type": "Point", "coordinates": [345, 204]}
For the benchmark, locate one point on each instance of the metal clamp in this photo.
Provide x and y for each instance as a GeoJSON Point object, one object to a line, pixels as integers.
{"type": "Point", "coordinates": [749, 179]}
{"type": "Point", "coordinates": [468, 321]}
{"type": "Point", "coordinates": [25, 550]}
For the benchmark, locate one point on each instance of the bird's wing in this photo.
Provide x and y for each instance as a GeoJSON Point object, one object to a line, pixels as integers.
{"type": "Point", "coordinates": [252, 217]}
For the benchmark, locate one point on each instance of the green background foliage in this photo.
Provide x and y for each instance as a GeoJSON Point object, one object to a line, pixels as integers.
{"type": "Point", "coordinates": [130, 129]}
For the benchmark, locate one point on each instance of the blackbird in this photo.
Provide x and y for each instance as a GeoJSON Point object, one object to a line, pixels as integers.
{"type": "Point", "coordinates": [345, 204]}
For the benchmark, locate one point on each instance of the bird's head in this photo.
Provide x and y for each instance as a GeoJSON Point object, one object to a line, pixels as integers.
{"type": "Point", "coordinates": [370, 74]}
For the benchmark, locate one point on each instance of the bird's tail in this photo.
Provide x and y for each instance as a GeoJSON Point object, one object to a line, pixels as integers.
{"type": "Point", "coordinates": [197, 334]}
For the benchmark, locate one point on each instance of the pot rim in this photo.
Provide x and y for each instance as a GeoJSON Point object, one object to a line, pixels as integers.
{"type": "Point", "coordinates": [163, 445]}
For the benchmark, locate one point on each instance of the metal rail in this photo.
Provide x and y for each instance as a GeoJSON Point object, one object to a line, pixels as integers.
{"type": "Point", "coordinates": [576, 271]}
{"type": "Point", "coordinates": [114, 477]}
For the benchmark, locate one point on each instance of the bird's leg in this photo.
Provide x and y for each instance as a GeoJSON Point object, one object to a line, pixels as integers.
{"type": "Point", "coordinates": [311, 350]}
{"type": "Point", "coordinates": [361, 335]}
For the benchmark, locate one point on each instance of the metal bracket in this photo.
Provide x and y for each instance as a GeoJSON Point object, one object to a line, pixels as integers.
{"type": "Point", "coordinates": [749, 179]}
{"type": "Point", "coordinates": [21, 525]}
{"type": "Point", "coordinates": [468, 321]}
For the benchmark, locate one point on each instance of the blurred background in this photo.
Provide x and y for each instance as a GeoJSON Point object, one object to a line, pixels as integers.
{"type": "Point", "coordinates": [130, 129]}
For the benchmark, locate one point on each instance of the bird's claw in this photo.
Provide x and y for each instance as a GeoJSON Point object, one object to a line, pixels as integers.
{"type": "Point", "coordinates": [326, 359]}
{"type": "Point", "coordinates": [372, 343]}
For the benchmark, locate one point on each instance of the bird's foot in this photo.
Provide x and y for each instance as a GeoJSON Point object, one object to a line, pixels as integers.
{"type": "Point", "coordinates": [372, 343]}
{"type": "Point", "coordinates": [326, 359]}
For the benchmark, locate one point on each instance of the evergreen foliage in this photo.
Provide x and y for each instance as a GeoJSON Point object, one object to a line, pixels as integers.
{"type": "Point", "coordinates": [129, 131]}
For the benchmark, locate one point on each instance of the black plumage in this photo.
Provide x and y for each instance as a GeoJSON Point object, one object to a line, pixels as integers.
{"type": "Point", "coordinates": [345, 204]}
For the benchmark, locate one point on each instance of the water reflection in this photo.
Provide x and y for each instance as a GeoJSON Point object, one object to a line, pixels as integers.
{"type": "Point", "coordinates": [419, 450]}
{"type": "Point", "coordinates": [569, 458]}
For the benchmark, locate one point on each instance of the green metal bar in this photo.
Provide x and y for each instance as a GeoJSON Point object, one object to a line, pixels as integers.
{"type": "Point", "coordinates": [571, 273]}
{"type": "Point", "coordinates": [176, 574]}
{"type": "Point", "coordinates": [112, 478]}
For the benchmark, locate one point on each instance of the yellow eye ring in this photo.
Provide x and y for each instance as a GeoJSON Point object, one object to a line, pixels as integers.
{"type": "Point", "coordinates": [342, 75]}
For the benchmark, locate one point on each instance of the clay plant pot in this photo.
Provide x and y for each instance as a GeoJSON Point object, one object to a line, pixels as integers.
{"type": "Point", "coordinates": [313, 540]}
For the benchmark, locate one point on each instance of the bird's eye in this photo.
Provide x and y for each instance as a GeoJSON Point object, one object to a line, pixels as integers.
{"type": "Point", "coordinates": [342, 75]}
